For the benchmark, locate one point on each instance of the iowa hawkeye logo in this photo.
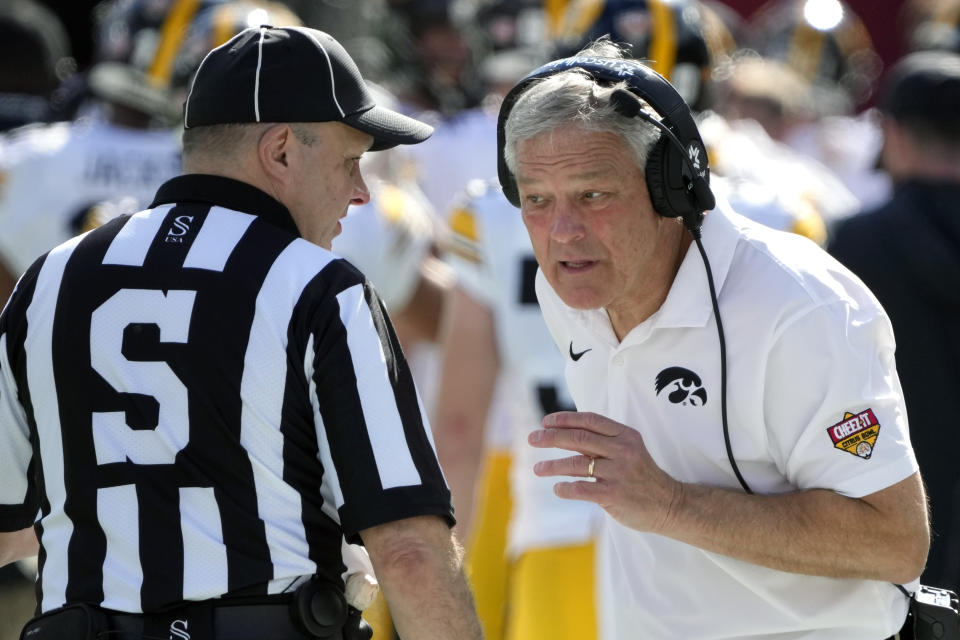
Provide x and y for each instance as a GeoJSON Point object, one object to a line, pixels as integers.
{"type": "Point", "coordinates": [856, 434]}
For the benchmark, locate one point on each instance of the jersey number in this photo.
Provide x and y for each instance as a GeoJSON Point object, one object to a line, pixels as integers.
{"type": "Point", "coordinates": [113, 438]}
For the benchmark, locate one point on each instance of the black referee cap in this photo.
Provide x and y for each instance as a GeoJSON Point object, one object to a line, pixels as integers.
{"type": "Point", "coordinates": [291, 74]}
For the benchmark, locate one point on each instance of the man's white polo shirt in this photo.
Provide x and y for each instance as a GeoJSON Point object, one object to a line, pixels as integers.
{"type": "Point", "coordinates": [814, 401]}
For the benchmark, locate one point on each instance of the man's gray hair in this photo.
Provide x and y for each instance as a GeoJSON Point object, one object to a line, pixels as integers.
{"type": "Point", "coordinates": [573, 97]}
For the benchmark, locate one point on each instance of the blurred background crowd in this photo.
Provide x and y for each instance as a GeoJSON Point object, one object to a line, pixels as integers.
{"type": "Point", "coordinates": [794, 98]}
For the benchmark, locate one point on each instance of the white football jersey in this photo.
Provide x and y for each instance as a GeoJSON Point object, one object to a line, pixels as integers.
{"type": "Point", "coordinates": [51, 174]}
{"type": "Point", "coordinates": [494, 261]}
{"type": "Point", "coordinates": [850, 147]}
{"type": "Point", "coordinates": [462, 148]}
{"type": "Point", "coordinates": [771, 183]}
{"type": "Point", "coordinates": [387, 239]}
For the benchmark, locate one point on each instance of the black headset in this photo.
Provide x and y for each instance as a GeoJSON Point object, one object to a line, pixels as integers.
{"type": "Point", "coordinates": [677, 174]}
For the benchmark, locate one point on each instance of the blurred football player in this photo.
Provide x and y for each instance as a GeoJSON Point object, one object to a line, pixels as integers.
{"type": "Point", "coordinates": [125, 140]}
{"type": "Point", "coordinates": [494, 332]}
{"type": "Point", "coordinates": [34, 58]}
{"type": "Point", "coordinates": [826, 43]}
{"type": "Point", "coordinates": [769, 181]}
{"type": "Point", "coordinates": [808, 73]}
{"type": "Point", "coordinates": [683, 41]}
{"type": "Point", "coordinates": [931, 25]}
{"type": "Point", "coordinates": [502, 40]}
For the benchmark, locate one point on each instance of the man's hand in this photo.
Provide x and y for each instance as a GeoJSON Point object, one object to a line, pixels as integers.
{"type": "Point", "coordinates": [805, 531]}
{"type": "Point", "coordinates": [626, 482]}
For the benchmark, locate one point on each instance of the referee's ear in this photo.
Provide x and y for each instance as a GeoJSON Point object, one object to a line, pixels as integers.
{"type": "Point", "coordinates": [274, 152]}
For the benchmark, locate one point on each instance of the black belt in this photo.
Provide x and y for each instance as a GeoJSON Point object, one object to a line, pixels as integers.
{"type": "Point", "coordinates": [315, 611]}
{"type": "Point", "coordinates": [221, 621]}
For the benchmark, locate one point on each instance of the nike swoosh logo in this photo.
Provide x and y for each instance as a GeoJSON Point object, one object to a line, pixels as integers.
{"type": "Point", "coordinates": [576, 356]}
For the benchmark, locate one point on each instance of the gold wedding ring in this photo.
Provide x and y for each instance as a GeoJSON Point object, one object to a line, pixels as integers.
{"type": "Point", "coordinates": [593, 461]}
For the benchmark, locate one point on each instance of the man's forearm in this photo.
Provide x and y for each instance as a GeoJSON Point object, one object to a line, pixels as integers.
{"type": "Point", "coordinates": [816, 532]}
{"type": "Point", "coordinates": [441, 605]}
{"type": "Point", "coordinates": [460, 459]}
{"type": "Point", "coordinates": [419, 568]}
{"type": "Point", "coordinates": [16, 545]}
{"type": "Point", "coordinates": [881, 536]}
{"type": "Point", "coordinates": [469, 369]}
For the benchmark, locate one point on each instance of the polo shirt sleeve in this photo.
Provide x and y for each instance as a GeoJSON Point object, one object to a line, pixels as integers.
{"type": "Point", "coordinates": [834, 409]}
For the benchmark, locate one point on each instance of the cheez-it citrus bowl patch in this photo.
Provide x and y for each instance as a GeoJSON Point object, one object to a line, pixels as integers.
{"type": "Point", "coordinates": [856, 433]}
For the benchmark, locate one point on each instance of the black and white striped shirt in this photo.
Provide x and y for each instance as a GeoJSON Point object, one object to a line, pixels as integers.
{"type": "Point", "coordinates": [194, 400]}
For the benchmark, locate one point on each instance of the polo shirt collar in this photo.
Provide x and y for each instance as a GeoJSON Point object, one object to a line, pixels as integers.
{"type": "Point", "coordinates": [688, 302]}
{"type": "Point", "coordinates": [228, 193]}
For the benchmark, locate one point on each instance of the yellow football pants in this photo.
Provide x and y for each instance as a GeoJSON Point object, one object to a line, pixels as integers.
{"type": "Point", "coordinates": [544, 594]}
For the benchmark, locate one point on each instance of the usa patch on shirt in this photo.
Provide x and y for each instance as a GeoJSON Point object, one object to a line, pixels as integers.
{"type": "Point", "coordinates": [856, 433]}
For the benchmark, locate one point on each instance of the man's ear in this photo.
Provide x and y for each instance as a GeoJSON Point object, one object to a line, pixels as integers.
{"type": "Point", "coordinates": [273, 151]}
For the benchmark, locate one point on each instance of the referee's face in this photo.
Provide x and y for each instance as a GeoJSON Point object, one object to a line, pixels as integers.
{"type": "Point", "coordinates": [326, 159]}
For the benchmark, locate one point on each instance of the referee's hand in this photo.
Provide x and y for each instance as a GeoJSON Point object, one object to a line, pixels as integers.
{"type": "Point", "coordinates": [616, 469]}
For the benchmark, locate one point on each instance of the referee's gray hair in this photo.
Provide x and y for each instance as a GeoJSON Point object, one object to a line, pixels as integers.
{"type": "Point", "coordinates": [574, 98]}
{"type": "Point", "coordinates": [227, 140]}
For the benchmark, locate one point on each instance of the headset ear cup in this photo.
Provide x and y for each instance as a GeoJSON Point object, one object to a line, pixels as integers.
{"type": "Point", "coordinates": [657, 178]}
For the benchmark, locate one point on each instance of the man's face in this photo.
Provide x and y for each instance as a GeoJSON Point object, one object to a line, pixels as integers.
{"type": "Point", "coordinates": [328, 179]}
{"type": "Point", "coordinates": [595, 233]}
